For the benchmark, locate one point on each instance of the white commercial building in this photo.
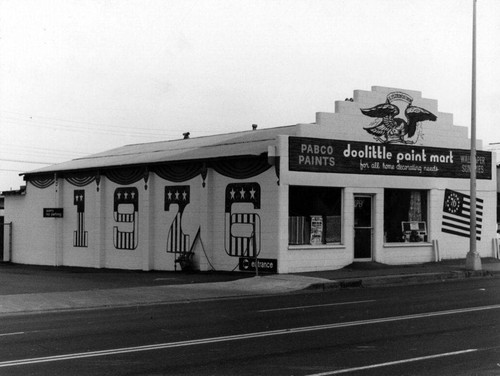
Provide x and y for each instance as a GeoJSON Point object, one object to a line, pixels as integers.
{"type": "Point", "coordinates": [385, 178]}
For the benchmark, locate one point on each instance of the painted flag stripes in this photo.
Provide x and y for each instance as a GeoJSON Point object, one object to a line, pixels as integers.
{"type": "Point", "coordinates": [177, 241]}
{"type": "Point", "coordinates": [244, 237]}
{"type": "Point", "coordinates": [80, 236]}
{"type": "Point", "coordinates": [456, 214]}
{"type": "Point", "coordinates": [124, 239]}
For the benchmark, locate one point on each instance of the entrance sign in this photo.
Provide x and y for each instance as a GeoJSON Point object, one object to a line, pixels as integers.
{"type": "Point", "coordinates": [353, 157]}
{"type": "Point", "coordinates": [265, 265]}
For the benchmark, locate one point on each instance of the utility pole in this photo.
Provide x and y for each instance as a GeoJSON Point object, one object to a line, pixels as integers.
{"type": "Point", "coordinates": [473, 261]}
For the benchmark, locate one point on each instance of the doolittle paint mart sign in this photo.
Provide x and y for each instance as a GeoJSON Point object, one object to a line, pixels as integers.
{"type": "Point", "coordinates": [352, 157]}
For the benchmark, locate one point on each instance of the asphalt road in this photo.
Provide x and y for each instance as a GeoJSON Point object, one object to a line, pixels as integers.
{"type": "Point", "coordinates": [436, 329]}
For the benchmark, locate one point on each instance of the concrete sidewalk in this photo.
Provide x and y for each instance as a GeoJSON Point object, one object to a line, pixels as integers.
{"type": "Point", "coordinates": [172, 290]}
{"type": "Point", "coordinates": [131, 296]}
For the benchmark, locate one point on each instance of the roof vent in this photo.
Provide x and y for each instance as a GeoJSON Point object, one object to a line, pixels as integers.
{"type": "Point", "coordinates": [186, 135]}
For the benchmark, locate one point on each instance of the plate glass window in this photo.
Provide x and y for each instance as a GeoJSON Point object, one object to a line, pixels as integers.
{"type": "Point", "coordinates": [405, 215]}
{"type": "Point", "coordinates": [314, 215]}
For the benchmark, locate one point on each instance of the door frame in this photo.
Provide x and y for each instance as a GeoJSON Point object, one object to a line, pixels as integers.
{"type": "Point", "coordinates": [371, 227]}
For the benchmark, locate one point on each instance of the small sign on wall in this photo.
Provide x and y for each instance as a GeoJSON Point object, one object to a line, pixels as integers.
{"type": "Point", "coordinates": [53, 212]}
{"type": "Point", "coordinates": [265, 265]}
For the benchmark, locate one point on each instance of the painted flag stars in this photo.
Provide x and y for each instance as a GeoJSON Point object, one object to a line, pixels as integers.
{"type": "Point", "coordinates": [177, 194]}
{"type": "Point", "coordinates": [241, 193]}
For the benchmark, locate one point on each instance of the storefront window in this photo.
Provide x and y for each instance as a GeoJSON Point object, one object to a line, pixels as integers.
{"type": "Point", "coordinates": [314, 215]}
{"type": "Point", "coordinates": [405, 215]}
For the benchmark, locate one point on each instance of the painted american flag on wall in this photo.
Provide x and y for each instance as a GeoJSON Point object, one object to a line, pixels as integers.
{"type": "Point", "coordinates": [456, 214]}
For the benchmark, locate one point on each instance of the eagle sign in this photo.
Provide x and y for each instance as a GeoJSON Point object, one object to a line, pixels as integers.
{"type": "Point", "coordinates": [387, 127]}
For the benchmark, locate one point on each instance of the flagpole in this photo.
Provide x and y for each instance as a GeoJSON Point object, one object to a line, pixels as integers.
{"type": "Point", "coordinates": [473, 261]}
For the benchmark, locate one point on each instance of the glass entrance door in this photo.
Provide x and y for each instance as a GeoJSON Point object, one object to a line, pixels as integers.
{"type": "Point", "coordinates": [363, 227]}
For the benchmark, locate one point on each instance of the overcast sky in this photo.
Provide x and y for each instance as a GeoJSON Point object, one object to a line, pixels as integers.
{"type": "Point", "coordinates": [79, 77]}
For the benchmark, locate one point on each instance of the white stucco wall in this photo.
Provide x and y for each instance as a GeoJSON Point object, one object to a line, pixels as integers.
{"type": "Point", "coordinates": [33, 237]}
{"type": "Point", "coordinates": [50, 241]}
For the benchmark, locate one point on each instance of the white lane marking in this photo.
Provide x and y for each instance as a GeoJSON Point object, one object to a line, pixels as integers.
{"type": "Point", "coordinates": [316, 306]}
{"type": "Point", "coordinates": [396, 362]}
{"type": "Point", "coordinates": [11, 334]}
{"type": "Point", "coordinates": [169, 345]}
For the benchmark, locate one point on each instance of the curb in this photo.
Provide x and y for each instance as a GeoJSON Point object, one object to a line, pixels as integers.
{"type": "Point", "coordinates": [399, 279]}
{"type": "Point", "coordinates": [135, 297]}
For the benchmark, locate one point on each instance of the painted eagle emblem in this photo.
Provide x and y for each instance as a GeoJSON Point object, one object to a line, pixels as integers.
{"type": "Point", "coordinates": [388, 127]}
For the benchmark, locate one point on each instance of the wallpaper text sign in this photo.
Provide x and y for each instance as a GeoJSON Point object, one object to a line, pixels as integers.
{"type": "Point", "coordinates": [353, 157]}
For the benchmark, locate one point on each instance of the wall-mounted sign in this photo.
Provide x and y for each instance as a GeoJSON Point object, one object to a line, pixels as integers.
{"type": "Point", "coordinates": [53, 212]}
{"type": "Point", "coordinates": [353, 157]}
{"type": "Point", "coordinates": [265, 265]}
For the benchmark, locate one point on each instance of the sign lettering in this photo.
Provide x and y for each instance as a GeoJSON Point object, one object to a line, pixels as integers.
{"type": "Point", "coordinates": [53, 212]}
{"type": "Point", "coordinates": [353, 157]}
{"type": "Point", "coordinates": [265, 265]}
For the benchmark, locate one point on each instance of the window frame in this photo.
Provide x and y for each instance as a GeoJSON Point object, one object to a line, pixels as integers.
{"type": "Point", "coordinates": [425, 209]}
{"type": "Point", "coordinates": [340, 217]}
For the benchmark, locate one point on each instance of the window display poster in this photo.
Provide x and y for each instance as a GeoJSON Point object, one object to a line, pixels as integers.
{"type": "Point", "coordinates": [316, 229]}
